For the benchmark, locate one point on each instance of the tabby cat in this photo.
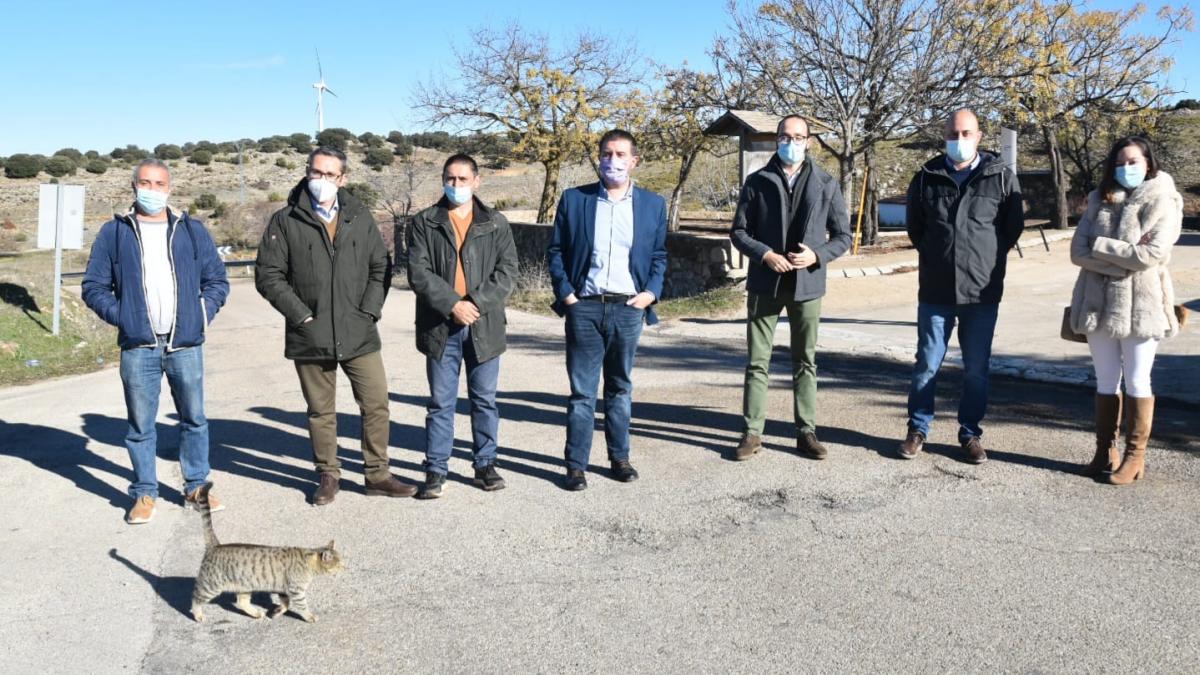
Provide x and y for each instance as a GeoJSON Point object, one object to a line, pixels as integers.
{"type": "Point", "coordinates": [248, 568]}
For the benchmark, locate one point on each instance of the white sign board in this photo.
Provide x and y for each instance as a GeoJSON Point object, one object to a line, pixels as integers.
{"type": "Point", "coordinates": [72, 215]}
{"type": "Point", "coordinates": [1008, 148]}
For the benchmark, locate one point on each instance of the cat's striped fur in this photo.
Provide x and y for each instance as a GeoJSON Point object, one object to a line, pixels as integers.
{"type": "Point", "coordinates": [248, 568]}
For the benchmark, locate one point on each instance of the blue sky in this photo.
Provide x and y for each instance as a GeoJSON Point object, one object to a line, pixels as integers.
{"type": "Point", "coordinates": [94, 75]}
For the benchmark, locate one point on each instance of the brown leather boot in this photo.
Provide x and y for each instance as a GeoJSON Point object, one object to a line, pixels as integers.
{"type": "Point", "coordinates": [1140, 413]}
{"type": "Point", "coordinates": [1108, 426]}
{"type": "Point", "coordinates": [327, 489]}
{"type": "Point", "coordinates": [390, 487]}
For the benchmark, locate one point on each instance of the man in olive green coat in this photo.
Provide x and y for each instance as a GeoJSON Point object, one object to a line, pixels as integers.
{"type": "Point", "coordinates": [322, 263]}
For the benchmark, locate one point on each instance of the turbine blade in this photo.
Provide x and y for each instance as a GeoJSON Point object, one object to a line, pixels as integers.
{"type": "Point", "coordinates": [329, 91]}
{"type": "Point", "coordinates": [319, 72]}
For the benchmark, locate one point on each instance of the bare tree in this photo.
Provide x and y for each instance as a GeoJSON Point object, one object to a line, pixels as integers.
{"type": "Point", "coordinates": [687, 102]}
{"type": "Point", "coordinates": [397, 193]}
{"type": "Point", "coordinates": [1085, 73]}
{"type": "Point", "coordinates": [552, 99]}
{"type": "Point", "coordinates": [868, 70]}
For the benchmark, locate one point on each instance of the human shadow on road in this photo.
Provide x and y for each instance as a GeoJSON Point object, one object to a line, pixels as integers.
{"type": "Point", "coordinates": [508, 412]}
{"type": "Point", "coordinates": [175, 591]}
{"type": "Point", "coordinates": [66, 454]}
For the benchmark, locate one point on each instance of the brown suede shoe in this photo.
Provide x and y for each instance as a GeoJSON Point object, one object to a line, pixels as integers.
{"type": "Point", "coordinates": [749, 447]}
{"type": "Point", "coordinates": [809, 446]}
{"type": "Point", "coordinates": [327, 489]}
{"type": "Point", "coordinates": [390, 487]}
{"type": "Point", "coordinates": [974, 449]}
{"type": "Point", "coordinates": [913, 443]}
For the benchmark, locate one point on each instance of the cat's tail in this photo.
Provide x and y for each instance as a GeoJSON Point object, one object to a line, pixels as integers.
{"type": "Point", "coordinates": [210, 536]}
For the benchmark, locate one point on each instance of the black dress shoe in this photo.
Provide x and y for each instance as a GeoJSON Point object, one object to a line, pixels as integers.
{"type": "Point", "coordinates": [576, 480]}
{"type": "Point", "coordinates": [623, 471]}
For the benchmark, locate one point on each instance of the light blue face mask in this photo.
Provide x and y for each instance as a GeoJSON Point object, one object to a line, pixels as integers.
{"type": "Point", "coordinates": [152, 202]}
{"type": "Point", "coordinates": [792, 153]}
{"type": "Point", "coordinates": [1130, 175]}
{"type": "Point", "coordinates": [457, 195]}
{"type": "Point", "coordinates": [960, 150]}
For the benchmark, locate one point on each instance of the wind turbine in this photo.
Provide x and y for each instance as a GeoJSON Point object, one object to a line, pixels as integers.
{"type": "Point", "coordinates": [321, 89]}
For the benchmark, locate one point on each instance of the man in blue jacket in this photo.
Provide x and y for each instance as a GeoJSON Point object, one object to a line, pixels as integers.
{"type": "Point", "coordinates": [155, 275]}
{"type": "Point", "coordinates": [607, 258]}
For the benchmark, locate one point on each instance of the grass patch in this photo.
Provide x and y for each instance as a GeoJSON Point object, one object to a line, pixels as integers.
{"type": "Point", "coordinates": [717, 303]}
{"type": "Point", "coordinates": [532, 294]}
{"type": "Point", "coordinates": [85, 343]}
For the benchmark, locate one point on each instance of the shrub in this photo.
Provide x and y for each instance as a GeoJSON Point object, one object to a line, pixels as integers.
{"type": "Point", "coordinates": [336, 137]}
{"type": "Point", "coordinates": [1, 162]}
{"type": "Point", "coordinates": [206, 200]}
{"type": "Point", "coordinates": [135, 154]}
{"type": "Point", "coordinates": [72, 153]}
{"type": "Point", "coordinates": [201, 157]}
{"type": "Point", "coordinates": [404, 147]}
{"type": "Point", "coordinates": [167, 151]}
{"type": "Point", "coordinates": [24, 166]}
{"type": "Point", "coordinates": [300, 142]}
{"type": "Point", "coordinates": [117, 153]}
{"type": "Point", "coordinates": [272, 144]}
{"type": "Point", "coordinates": [284, 164]}
{"type": "Point", "coordinates": [365, 193]}
{"type": "Point", "coordinates": [377, 158]}
{"type": "Point", "coordinates": [96, 166]}
{"type": "Point", "coordinates": [275, 197]}
{"type": "Point", "coordinates": [60, 165]}
{"type": "Point", "coordinates": [371, 140]}
{"type": "Point", "coordinates": [92, 154]}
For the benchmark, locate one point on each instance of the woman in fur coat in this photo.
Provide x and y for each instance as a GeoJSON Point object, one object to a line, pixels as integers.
{"type": "Point", "coordinates": [1123, 299]}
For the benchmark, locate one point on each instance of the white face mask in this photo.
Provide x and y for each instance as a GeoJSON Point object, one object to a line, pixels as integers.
{"type": "Point", "coordinates": [322, 190]}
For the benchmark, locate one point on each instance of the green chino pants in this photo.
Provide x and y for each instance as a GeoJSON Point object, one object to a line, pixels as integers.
{"type": "Point", "coordinates": [762, 315]}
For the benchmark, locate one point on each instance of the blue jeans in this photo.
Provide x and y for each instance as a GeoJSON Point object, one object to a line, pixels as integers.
{"type": "Point", "coordinates": [601, 336]}
{"type": "Point", "coordinates": [443, 396]}
{"type": "Point", "coordinates": [142, 369]}
{"type": "Point", "coordinates": [976, 328]}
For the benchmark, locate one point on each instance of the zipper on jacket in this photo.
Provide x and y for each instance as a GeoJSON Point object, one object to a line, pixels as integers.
{"type": "Point", "coordinates": [137, 236]}
{"type": "Point", "coordinates": [174, 283]}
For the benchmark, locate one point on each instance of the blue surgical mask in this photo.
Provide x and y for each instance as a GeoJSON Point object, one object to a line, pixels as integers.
{"type": "Point", "coordinates": [457, 195]}
{"type": "Point", "coordinates": [960, 150]}
{"type": "Point", "coordinates": [1130, 175]}
{"type": "Point", "coordinates": [791, 153]}
{"type": "Point", "coordinates": [615, 172]}
{"type": "Point", "coordinates": [152, 202]}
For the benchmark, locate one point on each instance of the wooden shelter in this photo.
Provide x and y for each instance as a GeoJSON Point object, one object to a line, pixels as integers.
{"type": "Point", "coordinates": [756, 132]}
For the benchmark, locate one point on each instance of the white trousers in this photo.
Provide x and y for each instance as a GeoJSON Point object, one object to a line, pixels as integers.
{"type": "Point", "coordinates": [1134, 357]}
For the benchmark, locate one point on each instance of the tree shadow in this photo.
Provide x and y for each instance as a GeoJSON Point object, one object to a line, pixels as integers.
{"type": "Point", "coordinates": [175, 591]}
{"type": "Point", "coordinates": [18, 296]}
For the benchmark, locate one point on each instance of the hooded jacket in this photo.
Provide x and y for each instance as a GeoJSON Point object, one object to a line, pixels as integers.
{"type": "Point", "coordinates": [963, 235]}
{"type": "Point", "coordinates": [1123, 247]}
{"type": "Point", "coordinates": [114, 285]}
{"type": "Point", "coordinates": [341, 283]}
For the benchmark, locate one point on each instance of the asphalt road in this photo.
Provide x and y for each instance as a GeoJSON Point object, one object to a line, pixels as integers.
{"type": "Point", "coordinates": [860, 563]}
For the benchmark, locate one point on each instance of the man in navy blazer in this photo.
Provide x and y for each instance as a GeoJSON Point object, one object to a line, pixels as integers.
{"type": "Point", "coordinates": [607, 257]}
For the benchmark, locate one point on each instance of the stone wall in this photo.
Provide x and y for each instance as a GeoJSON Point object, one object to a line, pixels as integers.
{"type": "Point", "coordinates": [695, 262]}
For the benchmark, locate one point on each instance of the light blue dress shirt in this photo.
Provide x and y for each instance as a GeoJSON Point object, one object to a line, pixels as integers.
{"type": "Point", "coordinates": [609, 271]}
{"type": "Point", "coordinates": [321, 212]}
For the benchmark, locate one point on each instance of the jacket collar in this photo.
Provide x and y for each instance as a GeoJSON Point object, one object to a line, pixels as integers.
{"type": "Point", "coordinates": [301, 203]}
{"type": "Point", "coordinates": [989, 163]}
{"type": "Point", "coordinates": [130, 216]}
